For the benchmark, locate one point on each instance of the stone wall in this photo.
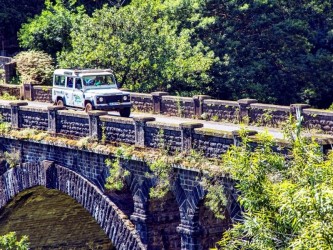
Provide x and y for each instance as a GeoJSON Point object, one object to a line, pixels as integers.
{"type": "Point", "coordinates": [5, 113]}
{"type": "Point", "coordinates": [117, 129]}
{"type": "Point", "coordinates": [42, 93]}
{"type": "Point", "coordinates": [13, 90]}
{"type": "Point", "coordinates": [33, 118]}
{"type": "Point", "coordinates": [268, 115]}
{"type": "Point", "coordinates": [178, 106]}
{"type": "Point", "coordinates": [142, 102]}
{"type": "Point", "coordinates": [163, 136]}
{"type": "Point", "coordinates": [218, 110]}
{"type": "Point", "coordinates": [247, 111]}
{"type": "Point", "coordinates": [212, 143]}
{"type": "Point", "coordinates": [72, 123]}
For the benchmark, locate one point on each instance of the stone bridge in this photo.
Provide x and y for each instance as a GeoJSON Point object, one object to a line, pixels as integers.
{"type": "Point", "coordinates": [131, 222]}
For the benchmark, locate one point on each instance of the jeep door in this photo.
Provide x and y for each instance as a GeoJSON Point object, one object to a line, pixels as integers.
{"type": "Point", "coordinates": [69, 91]}
{"type": "Point", "coordinates": [78, 100]}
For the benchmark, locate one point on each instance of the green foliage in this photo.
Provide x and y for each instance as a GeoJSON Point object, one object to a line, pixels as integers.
{"type": "Point", "coordinates": [216, 200]}
{"type": "Point", "coordinates": [7, 96]}
{"type": "Point", "coordinates": [12, 158]}
{"type": "Point", "coordinates": [34, 67]}
{"type": "Point", "coordinates": [10, 242]}
{"type": "Point", "coordinates": [118, 173]}
{"type": "Point", "coordinates": [49, 31]}
{"type": "Point", "coordinates": [274, 51]}
{"type": "Point", "coordinates": [145, 43]}
{"type": "Point", "coordinates": [12, 14]}
{"type": "Point", "coordinates": [288, 204]}
{"type": "Point", "coordinates": [161, 172]}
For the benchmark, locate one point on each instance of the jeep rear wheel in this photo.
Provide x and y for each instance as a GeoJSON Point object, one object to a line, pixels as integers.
{"type": "Point", "coordinates": [125, 112]}
{"type": "Point", "coordinates": [88, 107]}
{"type": "Point", "coordinates": [60, 102]}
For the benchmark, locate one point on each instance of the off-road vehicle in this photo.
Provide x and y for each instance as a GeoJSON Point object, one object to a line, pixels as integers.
{"type": "Point", "coordinates": [89, 89]}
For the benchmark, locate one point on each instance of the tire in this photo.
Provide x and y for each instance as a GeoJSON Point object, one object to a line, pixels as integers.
{"type": "Point", "coordinates": [60, 102]}
{"type": "Point", "coordinates": [125, 112]}
{"type": "Point", "coordinates": [88, 107]}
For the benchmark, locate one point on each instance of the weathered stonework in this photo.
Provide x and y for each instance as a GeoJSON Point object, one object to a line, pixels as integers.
{"type": "Point", "coordinates": [217, 110]}
{"type": "Point", "coordinates": [116, 129]}
{"type": "Point", "coordinates": [72, 123]}
{"type": "Point", "coordinates": [42, 93]}
{"type": "Point", "coordinates": [33, 118]}
{"type": "Point", "coordinates": [81, 174]}
{"type": "Point", "coordinates": [178, 106]}
{"type": "Point", "coordinates": [142, 102]}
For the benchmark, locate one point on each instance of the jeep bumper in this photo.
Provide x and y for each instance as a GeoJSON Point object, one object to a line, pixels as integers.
{"type": "Point", "coordinates": [113, 106]}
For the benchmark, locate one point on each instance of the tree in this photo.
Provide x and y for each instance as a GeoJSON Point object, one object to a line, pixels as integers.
{"type": "Point", "coordinates": [288, 204]}
{"type": "Point", "coordinates": [34, 67]}
{"type": "Point", "coordinates": [148, 49]}
{"type": "Point", "coordinates": [277, 51]}
{"type": "Point", "coordinates": [10, 242]}
{"type": "Point", "coordinates": [49, 32]}
{"type": "Point", "coordinates": [12, 14]}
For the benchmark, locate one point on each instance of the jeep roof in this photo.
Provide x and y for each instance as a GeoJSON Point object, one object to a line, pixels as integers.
{"type": "Point", "coordinates": [83, 72]}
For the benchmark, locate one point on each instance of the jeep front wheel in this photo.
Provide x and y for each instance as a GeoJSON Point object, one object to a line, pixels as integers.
{"type": "Point", "coordinates": [88, 107]}
{"type": "Point", "coordinates": [125, 112]}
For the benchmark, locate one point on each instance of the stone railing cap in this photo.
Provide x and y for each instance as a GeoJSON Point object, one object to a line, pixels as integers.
{"type": "Point", "coordinates": [248, 132]}
{"type": "Point", "coordinates": [18, 103]}
{"type": "Point", "coordinates": [202, 97]}
{"type": "Point", "coordinates": [159, 93]}
{"type": "Point", "coordinates": [191, 125]}
{"type": "Point", "coordinates": [97, 112]}
{"type": "Point", "coordinates": [300, 105]}
{"type": "Point", "coordinates": [144, 118]}
{"type": "Point", "coordinates": [247, 101]}
{"type": "Point", "coordinates": [55, 107]}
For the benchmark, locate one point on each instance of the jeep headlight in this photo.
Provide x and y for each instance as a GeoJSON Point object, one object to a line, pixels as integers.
{"type": "Point", "coordinates": [125, 97]}
{"type": "Point", "coordinates": [101, 99]}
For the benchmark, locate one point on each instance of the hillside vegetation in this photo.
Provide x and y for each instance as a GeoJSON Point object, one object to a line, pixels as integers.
{"type": "Point", "coordinates": [277, 51]}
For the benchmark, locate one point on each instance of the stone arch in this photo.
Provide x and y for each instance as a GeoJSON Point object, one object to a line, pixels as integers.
{"type": "Point", "coordinates": [112, 220]}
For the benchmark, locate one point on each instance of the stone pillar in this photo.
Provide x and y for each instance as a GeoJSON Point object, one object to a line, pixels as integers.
{"type": "Point", "coordinates": [139, 185]}
{"type": "Point", "coordinates": [27, 91]}
{"type": "Point", "coordinates": [157, 101]}
{"type": "Point", "coordinates": [94, 123]}
{"type": "Point", "coordinates": [140, 129]}
{"type": "Point", "coordinates": [237, 138]}
{"type": "Point", "coordinates": [10, 71]}
{"type": "Point", "coordinates": [190, 237]}
{"type": "Point", "coordinates": [52, 118]}
{"type": "Point", "coordinates": [244, 106]}
{"type": "Point", "coordinates": [298, 106]}
{"type": "Point", "coordinates": [189, 193]}
{"type": "Point", "coordinates": [198, 104]}
{"type": "Point", "coordinates": [187, 130]}
{"type": "Point", "coordinates": [15, 107]}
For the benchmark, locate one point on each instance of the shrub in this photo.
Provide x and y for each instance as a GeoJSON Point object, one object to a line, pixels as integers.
{"type": "Point", "coordinates": [34, 67]}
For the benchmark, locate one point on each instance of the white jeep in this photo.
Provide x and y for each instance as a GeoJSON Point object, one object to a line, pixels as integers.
{"type": "Point", "coordinates": [89, 89]}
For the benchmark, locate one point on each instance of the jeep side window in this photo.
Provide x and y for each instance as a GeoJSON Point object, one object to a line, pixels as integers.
{"type": "Point", "coordinates": [78, 83]}
{"type": "Point", "coordinates": [59, 81]}
{"type": "Point", "coordinates": [69, 82]}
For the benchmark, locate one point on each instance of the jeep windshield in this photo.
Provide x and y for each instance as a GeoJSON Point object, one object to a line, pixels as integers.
{"type": "Point", "coordinates": [99, 81]}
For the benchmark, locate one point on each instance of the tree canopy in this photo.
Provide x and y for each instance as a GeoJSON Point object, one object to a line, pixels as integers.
{"type": "Point", "coordinates": [277, 51]}
{"type": "Point", "coordinates": [288, 202]}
